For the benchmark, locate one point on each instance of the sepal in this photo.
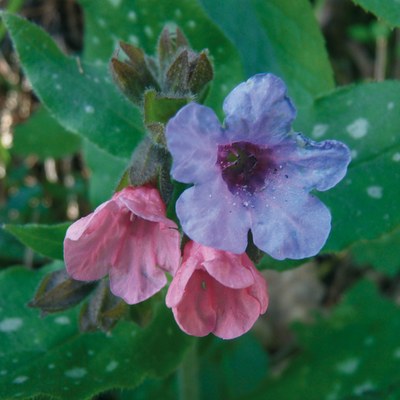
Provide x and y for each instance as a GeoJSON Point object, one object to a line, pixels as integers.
{"type": "Point", "coordinates": [103, 310]}
{"type": "Point", "coordinates": [133, 76]}
{"type": "Point", "coordinates": [58, 292]}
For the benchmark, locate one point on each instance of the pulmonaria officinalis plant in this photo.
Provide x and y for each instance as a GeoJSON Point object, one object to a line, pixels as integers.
{"type": "Point", "coordinates": [253, 174]}
{"type": "Point", "coordinates": [189, 186]}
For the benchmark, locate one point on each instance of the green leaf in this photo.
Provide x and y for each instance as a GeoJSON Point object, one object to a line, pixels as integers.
{"type": "Point", "coordinates": [281, 36]}
{"type": "Point", "coordinates": [105, 173]}
{"type": "Point", "coordinates": [387, 10]}
{"type": "Point", "coordinates": [49, 357]}
{"type": "Point", "coordinates": [43, 136]}
{"type": "Point", "coordinates": [365, 117]}
{"type": "Point", "coordinates": [142, 21]}
{"type": "Point", "coordinates": [80, 96]}
{"type": "Point", "coordinates": [45, 239]}
{"type": "Point", "coordinates": [354, 352]}
{"type": "Point", "coordinates": [382, 253]}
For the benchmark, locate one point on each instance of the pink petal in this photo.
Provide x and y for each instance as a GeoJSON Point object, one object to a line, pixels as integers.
{"type": "Point", "coordinates": [134, 275]}
{"type": "Point", "coordinates": [227, 268]}
{"type": "Point", "coordinates": [167, 248]}
{"type": "Point", "coordinates": [203, 303]}
{"type": "Point", "coordinates": [237, 311]}
{"type": "Point", "coordinates": [259, 290]}
{"type": "Point", "coordinates": [209, 307]}
{"type": "Point", "coordinates": [191, 259]}
{"type": "Point", "coordinates": [195, 314]}
{"type": "Point", "coordinates": [145, 202]}
{"type": "Point", "coordinates": [88, 244]}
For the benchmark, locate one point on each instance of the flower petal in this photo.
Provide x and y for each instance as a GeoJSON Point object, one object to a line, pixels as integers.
{"type": "Point", "coordinates": [192, 138]}
{"type": "Point", "coordinates": [307, 164]}
{"type": "Point", "coordinates": [134, 275]}
{"type": "Point", "coordinates": [258, 111]}
{"type": "Point", "coordinates": [289, 223]}
{"type": "Point", "coordinates": [145, 202]}
{"type": "Point", "coordinates": [211, 215]}
{"type": "Point", "coordinates": [260, 289]}
{"type": "Point", "coordinates": [195, 314]}
{"type": "Point", "coordinates": [237, 311]}
{"type": "Point", "coordinates": [228, 269]}
{"type": "Point", "coordinates": [87, 243]}
{"type": "Point", "coordinates": [166, 246]}
{"type": "Point", "coordinates": [177, 287]}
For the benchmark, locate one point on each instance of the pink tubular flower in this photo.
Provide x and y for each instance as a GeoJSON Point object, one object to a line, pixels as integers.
{"type": "Point", "coordinates": [129, 238]}
{"type": "Point", "coordinates": [216, 292]}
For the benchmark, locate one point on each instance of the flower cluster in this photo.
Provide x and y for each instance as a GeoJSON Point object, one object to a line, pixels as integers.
{"type": "Point", "coordinates": [253, 174]}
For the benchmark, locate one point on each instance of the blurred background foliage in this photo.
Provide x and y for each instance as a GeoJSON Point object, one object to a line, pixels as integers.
{"type": "Point", "coordinates": [331, 328]}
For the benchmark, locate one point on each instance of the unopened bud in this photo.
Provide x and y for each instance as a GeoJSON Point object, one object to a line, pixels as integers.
{"type": "Point", "coordinates": [58, 292]}
{"type": "Point", "coordinates": [133, 76]}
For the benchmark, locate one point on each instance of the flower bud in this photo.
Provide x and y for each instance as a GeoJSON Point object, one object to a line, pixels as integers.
{"type": "Point", "coordinates": [58, 292]}
{"type": "Point", "coordinates": [133, 76]}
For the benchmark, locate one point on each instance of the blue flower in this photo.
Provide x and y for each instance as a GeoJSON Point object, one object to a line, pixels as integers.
{"type": "Point", "coordinates": [253, 174]}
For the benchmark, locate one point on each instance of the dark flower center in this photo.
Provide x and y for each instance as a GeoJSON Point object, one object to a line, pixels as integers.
{"type": "Point", "coordinates": [244, 166]}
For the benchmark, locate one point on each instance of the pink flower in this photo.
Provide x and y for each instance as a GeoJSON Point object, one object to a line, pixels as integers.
{"type": "Point", "coordinates": [216, 291]}
{"type": "Point", "coordinates": [129, 238]}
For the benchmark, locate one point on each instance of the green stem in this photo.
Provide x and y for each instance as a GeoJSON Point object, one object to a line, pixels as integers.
{"type": "Point", "coordinates": [188, 376]}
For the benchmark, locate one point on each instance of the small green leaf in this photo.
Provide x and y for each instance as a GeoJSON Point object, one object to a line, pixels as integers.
{"type": "Point", "coordinates": [353, 352]}
{"type": "Point", "coordinates": [82, 97]}
{"type": "Point", "coordinates": [44, 239]}
{"type": "Point", "coordinates": [387, 10]}
{"type": "Point", "coordinates": [281, 36]}
{"type": "Point", "coordinates": [49, 357]}
{"type": "Point", "coordinates": [43, 136]}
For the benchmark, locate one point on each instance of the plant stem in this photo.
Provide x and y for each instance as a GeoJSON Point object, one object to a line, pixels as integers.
{"type": "Point", "coordinates": [381, 58]}
{"type": "Point", "coordinates": [188, 376]}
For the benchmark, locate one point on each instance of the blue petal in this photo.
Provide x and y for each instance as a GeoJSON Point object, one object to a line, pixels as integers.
{"type": "Point", "coordinates": [192, 138]}
{"type": "Point", "coordinates": [310, 165]}
{"type": "Point", "coordinates": [258, 111]}
{"type": "Point", "coordinates": [289, 223]}
{"type": "Point", "coordinates": [212, 216]}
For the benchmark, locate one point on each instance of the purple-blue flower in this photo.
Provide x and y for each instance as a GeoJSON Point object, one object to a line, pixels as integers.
{"type": "Point", "coordinates": [253, 174]}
